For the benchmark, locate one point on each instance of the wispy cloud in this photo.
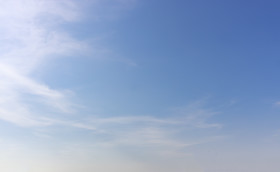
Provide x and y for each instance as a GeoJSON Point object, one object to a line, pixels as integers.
{"type": "Point", "coordinates": [154, 133]}
{"type": "Point", "coordinates": [277, 103]}
{"type": "Point", "coordinates": [28, 39]}
{"type": "Point", "coordinates": [31, 34]}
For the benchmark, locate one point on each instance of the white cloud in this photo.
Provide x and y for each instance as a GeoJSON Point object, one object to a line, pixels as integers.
{"type": "Point", "coordinates": [30, 35]}
{"type": "Point", "coordinates": [28, 38]}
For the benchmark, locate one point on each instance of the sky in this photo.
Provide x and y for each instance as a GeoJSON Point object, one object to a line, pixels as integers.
{"type": "Point", "coordinates": [139, 85]}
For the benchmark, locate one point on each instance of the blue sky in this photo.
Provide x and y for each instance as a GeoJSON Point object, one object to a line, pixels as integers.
{"type": "Point", "coordinates": [138, 85]}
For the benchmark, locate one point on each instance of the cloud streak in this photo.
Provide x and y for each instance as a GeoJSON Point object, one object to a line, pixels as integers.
{"type": "Point", "coordinates": [151, 133]}
{"type": "Point", "coordinates": [31, 35]}
{"type": "Point", "coordinates": [28, 39]}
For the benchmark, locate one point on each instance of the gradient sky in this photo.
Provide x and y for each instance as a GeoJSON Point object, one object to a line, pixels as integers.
{"type": "Point", "coordinates": [139, 85]}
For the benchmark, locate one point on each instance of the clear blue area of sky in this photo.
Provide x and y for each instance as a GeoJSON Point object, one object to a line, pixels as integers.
{"type": "Point", "coordinates": [183, 51]}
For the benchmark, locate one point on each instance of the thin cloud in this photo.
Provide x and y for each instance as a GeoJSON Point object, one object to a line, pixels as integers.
{"type": "Point", "coordinates": [29, 38]}
{"type": "Point", "coordinates": [155, 134]}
